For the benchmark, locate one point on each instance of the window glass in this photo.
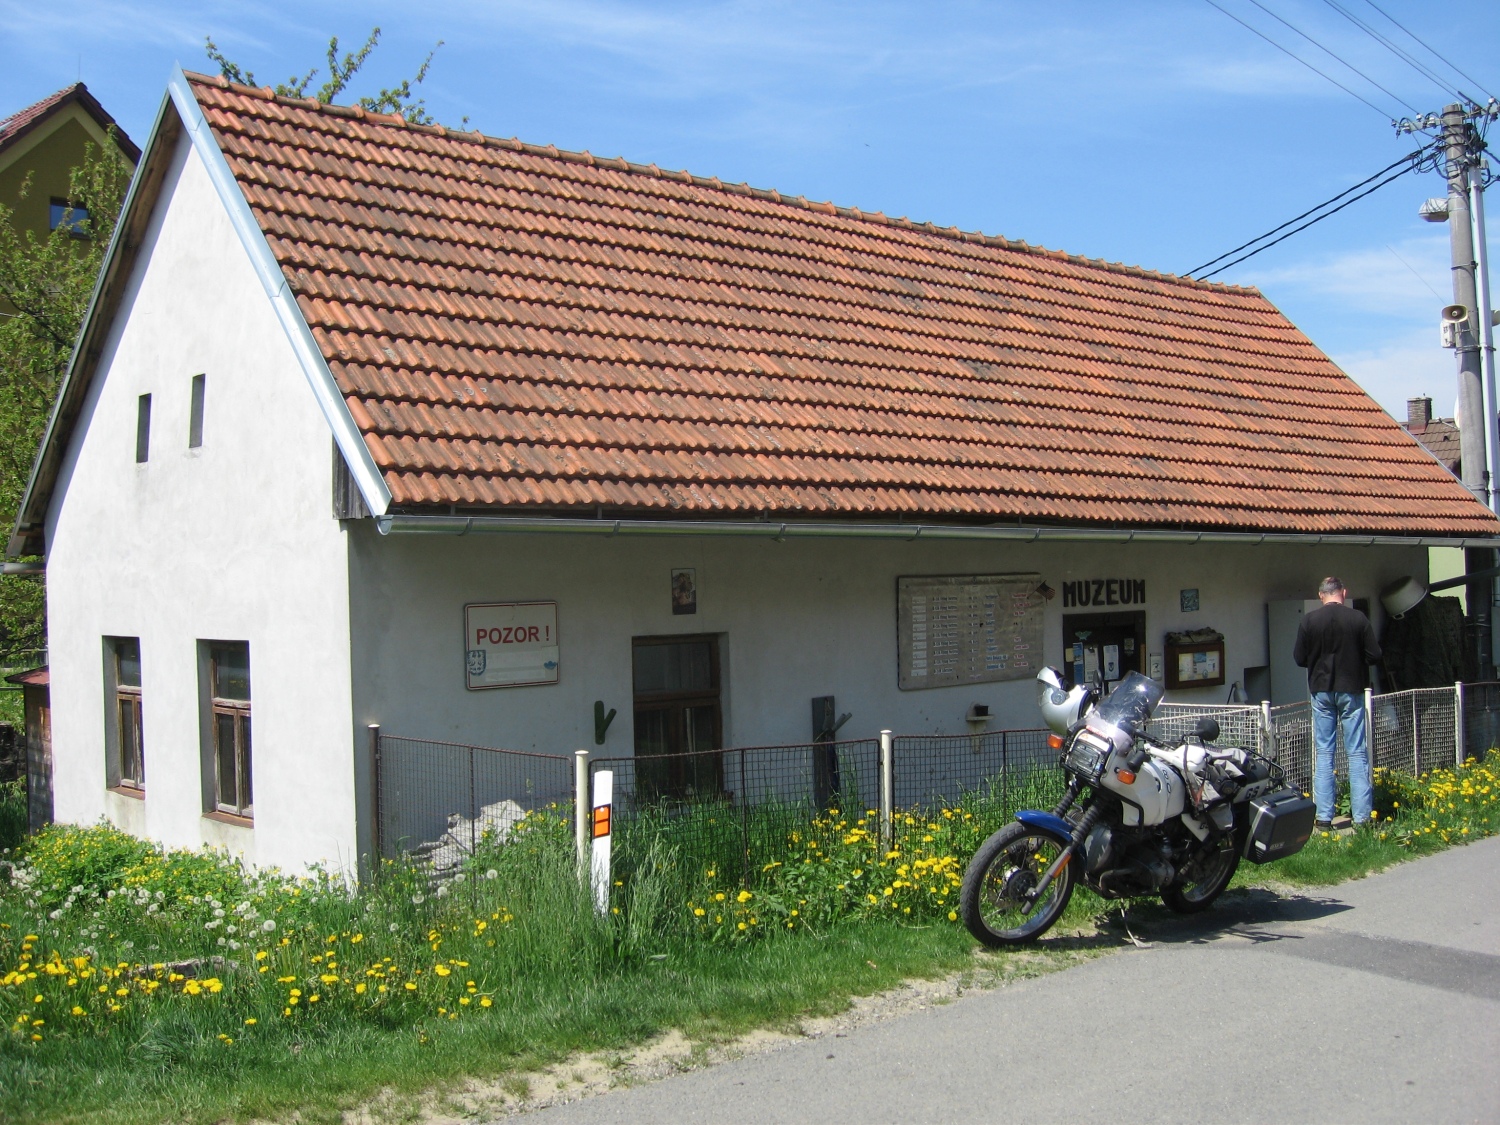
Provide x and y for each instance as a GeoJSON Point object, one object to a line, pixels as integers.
{"type": "Point", "coordinates": [128, 662]}
{"type": "Point", "coordinates": [228, 770]}
{"type": "Point", "coordinates": [195, 414]}
{"type": "Point", "coordinates": [71, 217]}
{"type": "Point", "coordinates": [681, 666]}
{"type": "Point", "coordinates": [142, 429]}
{"type": "Point", "coordinates": [232, 672]}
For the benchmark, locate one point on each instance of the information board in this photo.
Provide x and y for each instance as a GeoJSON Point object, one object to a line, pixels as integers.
{"type": "Point", "coordinates": [967, 629]}
{"type": "Point", "coordinates": [508, 644]}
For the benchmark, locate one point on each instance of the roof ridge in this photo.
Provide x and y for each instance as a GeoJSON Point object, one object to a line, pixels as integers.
{"type": "Point", "coordinates": [713, 183]}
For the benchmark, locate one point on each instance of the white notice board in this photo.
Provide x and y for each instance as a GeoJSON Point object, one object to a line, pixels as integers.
{"type": "Point", "coordinates": [507, 644]}
{"type": "Point", "coordinates": [967, 629]}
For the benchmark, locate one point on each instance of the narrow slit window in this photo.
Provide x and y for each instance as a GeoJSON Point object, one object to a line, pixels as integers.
{"type": "Point", "coordinates": [142, 429]}
{"type": "Point", "coordinates": [195, 415]}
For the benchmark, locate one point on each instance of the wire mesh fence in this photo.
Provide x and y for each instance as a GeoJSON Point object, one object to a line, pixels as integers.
{"type": "Point", "coordinates": [1014, 767]}
{"type": "Point", "coordinates": [733, 810]}
{"type": "Point", "coordinates": [437, 801]}
{"type": "Point", "coordinates": [1413, 731]}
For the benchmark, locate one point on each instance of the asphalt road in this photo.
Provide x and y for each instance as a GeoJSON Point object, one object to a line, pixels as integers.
{"type": "Point", "coordinates": [1375, 1001]}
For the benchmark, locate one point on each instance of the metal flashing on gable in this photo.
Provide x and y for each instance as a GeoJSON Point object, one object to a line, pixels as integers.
{"type": "Point", "coordinates": [362, 469]}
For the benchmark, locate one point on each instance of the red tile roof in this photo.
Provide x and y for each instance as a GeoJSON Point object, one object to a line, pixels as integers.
{"type": "Point", "coordinates": [515, 327]}
{"type": "Point", "coordinates": [18, 124]}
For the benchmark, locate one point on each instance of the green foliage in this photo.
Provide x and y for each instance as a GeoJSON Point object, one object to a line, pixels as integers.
{"type": "Point", "coordinates": [341, 72]}
{"type": "Point", "coordinates": [13, 818]}
{"type": "Point", "coordinates": [49, 281]}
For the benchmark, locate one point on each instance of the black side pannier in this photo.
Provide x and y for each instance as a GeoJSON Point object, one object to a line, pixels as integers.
{"type": "Point", "coordinates": [1280, 824]}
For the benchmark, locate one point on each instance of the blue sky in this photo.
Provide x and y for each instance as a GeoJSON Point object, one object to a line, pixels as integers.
{"type": "Point", "coordinates": [1152, 133]}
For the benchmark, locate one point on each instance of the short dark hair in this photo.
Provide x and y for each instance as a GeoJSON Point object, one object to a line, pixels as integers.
{"type": "Point", "coordinates": [1330, 586]}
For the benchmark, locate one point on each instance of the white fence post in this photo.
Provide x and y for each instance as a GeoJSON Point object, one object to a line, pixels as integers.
{"type": "Point", "coordinates": [581, 810]}
{"type": "Point", "coordinates": [1458, 723]}
{"type": "Point", "coordinates": [887, 790]}
{"type": "Point", "coordinates": [1267, 736]}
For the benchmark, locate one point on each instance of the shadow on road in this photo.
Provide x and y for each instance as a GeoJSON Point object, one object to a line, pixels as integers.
{"type": "Point", "coordinates": [1243, 913]}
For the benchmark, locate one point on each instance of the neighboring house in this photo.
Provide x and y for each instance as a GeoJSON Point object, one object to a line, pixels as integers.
{"type": "Point", "coordinates": [371, 418]}
{"type": "Point", "coordinates": [39, 148]}
{"type": "Point", "coordinates": [1440, 437]}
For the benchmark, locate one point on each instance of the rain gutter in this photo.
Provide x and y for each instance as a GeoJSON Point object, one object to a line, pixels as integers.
{"type": "Point", "coordinates": [782, 530]}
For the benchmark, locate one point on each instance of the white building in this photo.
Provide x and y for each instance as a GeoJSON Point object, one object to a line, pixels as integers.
{"type": "Point", "coordinates": [346, 380]}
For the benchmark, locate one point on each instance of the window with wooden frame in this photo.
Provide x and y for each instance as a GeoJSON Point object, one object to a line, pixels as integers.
{"type": "Point", "coordinates": [130, 741]}
{"type": "Point", "coordinates": [229, 677]}
{"type": "Point", "coordinates": [678, 719]}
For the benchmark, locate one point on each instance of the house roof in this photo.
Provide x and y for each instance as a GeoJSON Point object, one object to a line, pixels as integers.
{"type": "Point", "coordinates": [519, 330]}
{"type": "Point", "coordinates": [22, 122]}
{"type": "Point", "coordinates": [1441, 438]}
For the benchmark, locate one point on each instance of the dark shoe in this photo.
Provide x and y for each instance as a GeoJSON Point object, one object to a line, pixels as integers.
{"type": "Point", "coordinates": [1322, 826]}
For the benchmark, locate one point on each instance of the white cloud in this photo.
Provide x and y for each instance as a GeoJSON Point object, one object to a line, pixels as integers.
{"type": "Point", "coordinates": [1404, 278]}
{"type": "Point", "coordinates": [1405, 365]}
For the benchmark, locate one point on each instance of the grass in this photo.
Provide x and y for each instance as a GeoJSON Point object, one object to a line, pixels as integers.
{"type": "Point", "coordinates": [181, 987]}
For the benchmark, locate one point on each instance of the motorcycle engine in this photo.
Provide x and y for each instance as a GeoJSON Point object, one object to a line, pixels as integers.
{"type": "Point", "coordinates": [1116, 868]}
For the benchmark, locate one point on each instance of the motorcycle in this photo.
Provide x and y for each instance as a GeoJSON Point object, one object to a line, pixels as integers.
{"type": "Point", "coordinates": [1138, 817]}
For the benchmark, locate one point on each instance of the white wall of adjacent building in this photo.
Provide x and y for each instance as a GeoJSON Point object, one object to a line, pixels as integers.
{"type": "Point", "coordinates": [231, 541]}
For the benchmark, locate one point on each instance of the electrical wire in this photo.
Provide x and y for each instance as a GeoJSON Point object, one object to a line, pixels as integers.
{"type": "Point", "coordinates": [1310, 222]}
{"type": "Point", "coordinates": [1336, 58]}
{"type": "Point", "coordinates": [1412, 158]}
{"type": "Point", "coordinates": [1300, 59]}
{"type": "Point", "coordinates": [1395, 50]}
{"type": "Point", "coordinates": [1430, 50]}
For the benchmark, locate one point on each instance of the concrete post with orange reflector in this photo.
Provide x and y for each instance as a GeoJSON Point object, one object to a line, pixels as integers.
{"type": "Point", "coordinates": [604, 792]}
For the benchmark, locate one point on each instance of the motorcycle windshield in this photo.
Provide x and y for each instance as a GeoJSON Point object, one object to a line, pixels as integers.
{"type": "Point", "coordinates": [1130, 705]}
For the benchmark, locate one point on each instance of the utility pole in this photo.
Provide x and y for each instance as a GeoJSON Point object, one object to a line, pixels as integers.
{"type": "Point", "coordinates": [1457, 141]}
{"type": "Point", "coordinates": [1462, 150]}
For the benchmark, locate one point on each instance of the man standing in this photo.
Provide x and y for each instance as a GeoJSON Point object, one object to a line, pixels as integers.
{"type": "Point", "coordinates": [1335, 643]}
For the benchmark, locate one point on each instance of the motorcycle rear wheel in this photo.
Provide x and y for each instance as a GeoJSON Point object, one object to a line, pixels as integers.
{"type": "Point", "coordinates": [1006, 868]}
{"type": "Point", "coordinates": [1205, 881]}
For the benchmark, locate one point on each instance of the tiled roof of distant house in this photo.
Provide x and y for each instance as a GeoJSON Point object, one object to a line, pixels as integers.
{"type": "Point", "coordinates": [1439, 436]}
{"type": "Point", "coordinates": [22, 122]}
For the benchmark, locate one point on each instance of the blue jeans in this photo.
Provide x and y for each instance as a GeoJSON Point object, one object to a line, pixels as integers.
{"type": "Point", "coordinates": [1332, 710]}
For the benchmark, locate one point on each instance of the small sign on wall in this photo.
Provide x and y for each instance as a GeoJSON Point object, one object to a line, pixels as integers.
{"type": "Point", "coordinates": [510, 644]}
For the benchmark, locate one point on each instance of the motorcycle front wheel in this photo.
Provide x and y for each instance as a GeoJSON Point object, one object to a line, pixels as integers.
{"type": "Point", "coordinates": [995, 898]}
{"type": "Point", "coordinates": [1204, 879]}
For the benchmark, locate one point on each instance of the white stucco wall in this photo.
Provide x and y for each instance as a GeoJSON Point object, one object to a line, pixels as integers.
{"type": "Point", "coordinates": [798, 619]}
{"type": "Point", "coordinates": [231, 541]}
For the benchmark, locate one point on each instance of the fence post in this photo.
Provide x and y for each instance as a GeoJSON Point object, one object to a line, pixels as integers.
{"type": "Point", "coordinates": [887, 787]}
{"type": "Point", "coordinates": [1267, 738]}
{"type": "Point", "coordinates": [1458, 723]}
{"type": "Point", "coordinates": [375, 848]}
{"type": "Point", "coordinates": [581, 810]}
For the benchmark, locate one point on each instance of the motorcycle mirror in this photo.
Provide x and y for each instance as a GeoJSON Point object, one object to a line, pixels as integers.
{"type": "Point", "coordinates": [1207, 728]}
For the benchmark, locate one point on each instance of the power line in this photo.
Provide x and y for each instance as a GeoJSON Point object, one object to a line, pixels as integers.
{"type": "Point", "coordinates": [1336, 58]}
{"type": "Point", "coordinates": [1430, 50]}
{"type": "Point", "coordinates": [1300, 59]}
{"type": "Point", "coordinates": [1310, 222]}
{"type": "Point", "coordinates": [1411, 159]}
{"type": "Point", "coordinates": [1395, 50]}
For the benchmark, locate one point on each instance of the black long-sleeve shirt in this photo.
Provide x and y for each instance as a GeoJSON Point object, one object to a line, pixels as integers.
{"type": "Point", "coordinates": [1334, 644]}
